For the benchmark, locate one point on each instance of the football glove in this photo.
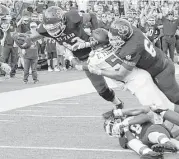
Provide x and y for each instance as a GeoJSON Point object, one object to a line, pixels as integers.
{"type": "Point", "coordinates": [22, 40]}
{"type": "Point", "coordinates": [6, 68]}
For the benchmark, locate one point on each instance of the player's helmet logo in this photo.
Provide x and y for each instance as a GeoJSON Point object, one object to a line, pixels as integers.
{"type": "Point", "coordinates": [121, 29]}
{"type": "Point", "coordinates": [5, 18]}
{"type": "Point", "coordinates": [54, 21]}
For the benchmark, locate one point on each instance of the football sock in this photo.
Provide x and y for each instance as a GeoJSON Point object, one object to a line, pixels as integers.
{"type": "Point", "coordinates": [156, 138]}
{"type": "Point", "coordinates": [138, 147]}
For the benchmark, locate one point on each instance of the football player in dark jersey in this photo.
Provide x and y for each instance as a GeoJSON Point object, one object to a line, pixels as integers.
{"type": "Point", "coordinates": [66, 28]}
{"type": "Point", "coordinates": [146, 126]}
{"type": "Point", "coordinates": [135, 47]}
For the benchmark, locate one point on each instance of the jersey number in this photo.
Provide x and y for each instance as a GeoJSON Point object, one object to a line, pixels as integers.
{"type": "Point", "coordinates": [149, 47]}
{"type": "Point", "coordinates": [113, 60]}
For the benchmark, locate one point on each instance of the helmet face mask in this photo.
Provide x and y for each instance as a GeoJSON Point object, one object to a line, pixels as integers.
{"type": "Point", "coordinates": [110, 128]}
{"type": "Point", "coordinates": [115, 41]}
{"type": "Point", "coordinates": [55, 29]}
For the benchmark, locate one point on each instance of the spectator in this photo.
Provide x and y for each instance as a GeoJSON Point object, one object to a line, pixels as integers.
{"type": "Point", "coordinates": [103, 23]}
{"type": "Point", "coordinates": [169, 30]}
{"type": "Point", "coordinates": [31, 58]}
{"type": "Point", "coordinates": [9, 50]}
{"type": "Point", "coordinates": [51, 55]}
{"type": "Point", "coordinates": [23, 25]}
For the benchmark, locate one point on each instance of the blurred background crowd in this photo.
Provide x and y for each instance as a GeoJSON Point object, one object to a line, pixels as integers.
{"type": "Point", "coordinates": [158, 19]}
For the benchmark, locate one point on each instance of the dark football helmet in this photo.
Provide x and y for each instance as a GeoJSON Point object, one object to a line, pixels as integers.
{"type": "Point", "coordinates": [54, 21]}
{"type": "Point", "coordinates": [5, 18]}
{"type": "Point", "coordinates": [120, 31]}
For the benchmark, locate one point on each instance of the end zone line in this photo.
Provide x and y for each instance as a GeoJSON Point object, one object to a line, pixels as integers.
{"type": "Point", "coordinates": [49, 116]}
{"type": "Point", "coordinates": [65, 149]}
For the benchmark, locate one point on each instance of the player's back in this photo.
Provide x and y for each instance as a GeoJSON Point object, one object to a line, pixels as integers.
{"type": "Point", "coordinates": [141, 51]}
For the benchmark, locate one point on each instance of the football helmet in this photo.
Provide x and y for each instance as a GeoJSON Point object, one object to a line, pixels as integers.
{"type": "Point", "coordinates": [5, 18]}
{"type": "Point", "coordinates": [54, 21]}
{"type": "Point", "coordinates": [113, 127]}
{"type": "Point", "coordinates": [120, 31]}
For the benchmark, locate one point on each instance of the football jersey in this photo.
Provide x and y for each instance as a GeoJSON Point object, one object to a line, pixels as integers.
{"type": "Point", "coordinates": [140, 51]}
{"type": "Point", "coordinates": [72, 30]}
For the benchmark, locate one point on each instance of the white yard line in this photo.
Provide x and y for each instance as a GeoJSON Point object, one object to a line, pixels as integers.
{"type": "Point", "coordinates": [37, 95]}
{"type": "Point", "coordinates": [49, 116]}
{"type": "Point", "coordinates": [64, 149]}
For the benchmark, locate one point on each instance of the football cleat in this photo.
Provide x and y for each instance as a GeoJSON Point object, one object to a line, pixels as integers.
{"type": "Point", "coordinates": [152, 155]}
{"type": "Point", "coordinates": [166, 147]}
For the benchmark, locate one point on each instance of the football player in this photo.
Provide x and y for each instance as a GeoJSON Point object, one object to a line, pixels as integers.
{"type": "Point", "coordinates": [103, 61]}
{"type": "Point", "coordinates": [134, 47]}
{"type": "Point", "coordinates": [65, 28]}
{"type": "Point", "coordinates": [141, 133]}
{"type": "Point", "coordinates": [137, 49]}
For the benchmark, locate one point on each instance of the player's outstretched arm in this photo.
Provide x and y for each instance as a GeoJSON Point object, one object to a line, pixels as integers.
{"type": "Point", "coordinates": [24, 41]}
{"type": "Point", "coordinates": [116, 75]}
{"type": "Point", "coordinates": [139, 119]}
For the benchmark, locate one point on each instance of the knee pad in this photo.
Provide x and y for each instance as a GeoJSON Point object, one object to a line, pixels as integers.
{"type": "Point", "coordinates": [108, 94]}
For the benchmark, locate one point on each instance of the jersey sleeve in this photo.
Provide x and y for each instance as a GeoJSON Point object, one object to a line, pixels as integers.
{"type": "Point", "coordinates": [130, 56]}
{"type": "Point", "coordinates": [42, 31]}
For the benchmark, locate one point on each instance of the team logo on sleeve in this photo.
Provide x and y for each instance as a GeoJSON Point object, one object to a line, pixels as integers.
{"type": "Point", "coordinates": [128, 57]}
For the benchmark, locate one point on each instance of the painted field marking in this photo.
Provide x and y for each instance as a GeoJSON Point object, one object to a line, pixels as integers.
{"type": "Point", "coordinates": [49, 116]}
{"type": "Point", "coordinates": [42, 94]}
{"type": "Point", "coordinates": [65, 149]}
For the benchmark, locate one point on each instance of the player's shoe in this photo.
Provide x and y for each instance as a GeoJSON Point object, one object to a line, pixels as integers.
{"type": "Point", "coordinates": [50, 69]}
{"type": "Point", "coordinates": [36, 81]}
{"type": "Point", "coordinates": [152, 155]}
{"type": "Point", "coordinates": [167, 147]}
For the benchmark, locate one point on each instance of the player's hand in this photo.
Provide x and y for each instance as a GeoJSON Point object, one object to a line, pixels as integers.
{"type": "Point", "coordinates": [79, 67]}
{"type": "Point", "coordinates": [22, 40]}
{"type": "Point", "coordinates": [6, 68]}
{"type": "Point", "coordinates": [94, 70]}
{"type": "Point", "coordinates": [78, 45]}
{"type": "Point", "coordinates": [68, 46]}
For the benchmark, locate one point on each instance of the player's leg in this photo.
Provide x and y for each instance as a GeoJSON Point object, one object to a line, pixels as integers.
{"type": "Point", "coordinates": [159, 138]}
{"type": "Point", "coordinates": [167, 83]}
{"type": "Point", "coordinates": [49, 60]}
{"type": "Point", "coordinates": [103, 90]}
{"type": "Point", "coordinates": [142, 86]}
{"type": "Point", "coordinates": [140, 148]}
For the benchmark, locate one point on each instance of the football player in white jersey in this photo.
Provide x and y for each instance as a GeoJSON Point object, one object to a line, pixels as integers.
{"type": "Point", "coordinates": [103, 61]}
